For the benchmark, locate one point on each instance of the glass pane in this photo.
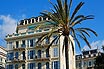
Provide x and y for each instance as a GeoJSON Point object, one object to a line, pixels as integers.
{"type": "Point", "coordinates": [39, 65]}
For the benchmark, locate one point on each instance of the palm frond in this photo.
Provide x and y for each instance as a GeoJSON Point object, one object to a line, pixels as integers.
{"type": "Point", "coordinates": [76, 18]}
{"type": "Point", "coordinates": [77, 9]}
{"type": "Point", "coordinates": [70, 4]}
{"type": "Point", "coordinates": [55, 7]}
{"type": "Point", "coordinates": [50, 15]}
{"type": "Point", "coordinates": [80, 20]}
{"type": "Point", "coordinates": [41, 38]}
{"type": "Point", "coordinates": [74, 37]}
{"type": "Point", "coordinates": [37, 27]}
{"type": "Point", "coordinates": [85, 32]}
{"type": "Point", "coordinates": [85, 40]}
{"type": "Point", "coordinates": [88, 29]}
{"type": "Point", "coordinates": [53, 42]}
{"type": "Point", "coordinates": [78, 43]}
{"type": "Point", "coordinates": [53, 17]}
{"type": "Point", "coordinates": [49, 34]}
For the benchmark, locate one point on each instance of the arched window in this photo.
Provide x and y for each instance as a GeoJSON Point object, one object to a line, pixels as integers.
{"type": "Point", "coordinates": [32, 20]}
{"type": "Point", "coordinates": [39, 53]}
{"type": "Point", "coordinates": [31, 65]}
{"type": "Point", "coordinates": [16, 55]}
{"type": "Point", "coordinates": [39, 65]}
{"type": "Point", "coordinates": [47, 53]}
{"type": "Point", "coordinates": [40, 19]}
{"type": "Point", "coordinates": [47, 40]}
{"type": "Point", "coordinates": [47, 65]}
{"type": "Point", "coordinates": [23, 66]}
{"type": "Point", "coordinates": [25, 21]}
{"type": "Point", "coordinates": [16, 66]}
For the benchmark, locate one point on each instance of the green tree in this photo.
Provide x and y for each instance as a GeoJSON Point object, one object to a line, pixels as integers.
{"type": "Point", "coordinates": [66, 23]}
{"type": "Point", "coordinates": [99, 61]}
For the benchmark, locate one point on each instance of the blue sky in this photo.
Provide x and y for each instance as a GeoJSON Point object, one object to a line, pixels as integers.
{"type": "Point", "coordinates": [11, 11]}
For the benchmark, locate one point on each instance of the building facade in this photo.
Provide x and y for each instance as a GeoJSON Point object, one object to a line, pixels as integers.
{"type": "Point", "coordinates": [3, 53]}
{"type": "Point", "coordinates": [25, 53]}
{"type": "Point", "coordinates": [86, 60]}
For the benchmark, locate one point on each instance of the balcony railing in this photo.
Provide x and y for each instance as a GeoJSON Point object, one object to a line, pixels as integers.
{"type": "Point", "coordinates": [42, 59]}
{"type": "Point", "coordinates": [22, 59]}
{"type": "Point", "coordinates": [27, 33]}
{"type": "Point", "coordinates": [21, 47]}
{"type": "Point", "coordinates": [18, 60]}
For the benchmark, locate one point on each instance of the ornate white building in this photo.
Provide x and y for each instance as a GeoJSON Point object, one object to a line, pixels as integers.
{"type": "Point", "coordinates": [24, 53]}
{"type": "Point", "coordinates": [3, 53]}
{"type": "Point", "coordinates": [86, 60]}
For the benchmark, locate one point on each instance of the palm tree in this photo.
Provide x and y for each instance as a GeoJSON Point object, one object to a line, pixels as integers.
{"type": "Point", "coordinates": [65, 23]}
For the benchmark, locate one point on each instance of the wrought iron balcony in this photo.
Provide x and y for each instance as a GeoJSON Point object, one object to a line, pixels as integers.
{"type": "Point", "coordinates": [20, 48]}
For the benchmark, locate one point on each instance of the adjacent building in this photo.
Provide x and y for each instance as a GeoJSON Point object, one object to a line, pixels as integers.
{"type": "Point", "coordinates": [25, 53]}
{"type": "Point", "coordinates": [3, 53]}
{"type": "Point", "coordinates": [86, 59]}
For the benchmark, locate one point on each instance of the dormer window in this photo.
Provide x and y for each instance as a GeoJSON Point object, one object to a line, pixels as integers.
{"type": "Point", "coordinates": [25, 21]}
{"type": "Point", "coordinates": [29, 21]}
{"type": "Point", "coordinates": [32, 20]}
{"type": "Point", "coordinates": [21, 22]}
{"type": "Point", "coordinates": [40, 19]}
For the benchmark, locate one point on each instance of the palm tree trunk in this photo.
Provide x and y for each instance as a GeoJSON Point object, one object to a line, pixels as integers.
{"type": "Point", "coordinates": [66, 52]}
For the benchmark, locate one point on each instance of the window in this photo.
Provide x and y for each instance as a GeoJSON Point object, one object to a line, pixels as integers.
{"type": "Point", "coordinates": [39, 65]}
{"type": "Point", "coordinates": [55, 42]}
{"type": "Point", "coordinates": [85, 63]}
{"type": "Point", "coordinates": [39, 30]}
{"type": "Point", "coordinates": [16, 66]}
{"type": "Point", "coordinates": [31, 65]}
{"type": "Point", "coordinates": [22, 21]}
{"type": "Point", "coordinates": [55, 52]}
{"type": "Point", "coordinates": [31, 54]}
{"type": "Point", "coordinates": [23, 34]}
{"type": "Point", "coordinates": [79, 64]}
{"type": "Point", "coordinates": [10, 46]}
{"type": "Point", "coordinates": [23, 55]}
{"type": "Point", "coordinates": [23, 66]}
{"type": "Point", "coordinates": [40, 19]}
{"type": "Point", "coordinates": [55, 65]}
{"type": "Point", "coordinates": [93, 62]}
{"type": "Point", "coordinates": [89, 63]}
{"type": "Point", "coordinates": [10, 56]}
{"type": "Point", "coordinates": [30, 42]}
{"type": "Point", "coordinates": [0, 59]}
{"type": "Point", "coordinates": [9, 66]}
{"type": "Point", "coordinates": [47, 65]}
{"type": "Point", "coordinates": [47, 40]}
{"type": "Point", "coordinates": [23, 43]}
{"type": "Point", "coordinates": [39, 53]}
{"type": "Point", "coordinates": [47, 53]}
{"type": "Point", "coordinates": [16, 55]}
{"type": "Point", "coordinates": [33, 21]}
{"type": "Point", "coordinates": [17, 44]}
{"type": "Point", "coordinates": [25, 21]}
{"type": "Point", "coordinates": [46, 29]}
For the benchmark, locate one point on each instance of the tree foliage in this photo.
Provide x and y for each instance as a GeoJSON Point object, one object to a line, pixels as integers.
{"type": "Point", "coordinates": [65, 23]}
